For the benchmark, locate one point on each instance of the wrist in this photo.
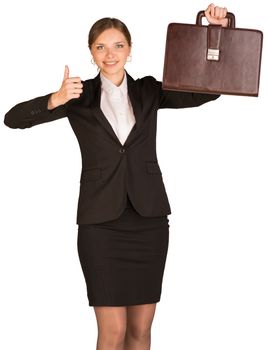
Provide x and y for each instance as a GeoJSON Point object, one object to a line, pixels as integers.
{"type": "Point", "coordinates": [53, 101]}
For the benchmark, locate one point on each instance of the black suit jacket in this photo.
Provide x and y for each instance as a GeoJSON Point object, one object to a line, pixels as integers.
{"type": "Point", "coordinates": [111, 170]}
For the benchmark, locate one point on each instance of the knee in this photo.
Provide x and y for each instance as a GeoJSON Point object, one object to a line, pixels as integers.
{"type": "Point", "coordinates": [114, 335]}
{"type": "Point", "coordinates": [139, 332]}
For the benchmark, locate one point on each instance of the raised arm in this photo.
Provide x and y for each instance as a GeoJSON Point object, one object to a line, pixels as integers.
{"type": "Point", "coordinates": [44, 108]}
{"type": "Point", "coordinates": [179, 99]}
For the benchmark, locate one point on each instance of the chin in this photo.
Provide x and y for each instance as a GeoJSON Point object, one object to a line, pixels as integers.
{"type": "Point", "coordinates": [113, 70]}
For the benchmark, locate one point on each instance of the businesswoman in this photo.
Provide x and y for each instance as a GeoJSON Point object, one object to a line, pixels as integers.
{"type": "Point", "coordinates": [122, 211]}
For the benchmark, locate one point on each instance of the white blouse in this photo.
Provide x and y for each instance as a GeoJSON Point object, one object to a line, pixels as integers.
{"type": "Point", "coordinates": [116, 106]}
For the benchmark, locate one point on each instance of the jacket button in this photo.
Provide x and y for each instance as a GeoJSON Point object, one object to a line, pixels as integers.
{"type": "Point", "coordinates": [122, 150]}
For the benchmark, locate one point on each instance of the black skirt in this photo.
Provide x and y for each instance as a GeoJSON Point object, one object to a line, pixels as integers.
{"type": "Point", "coordinates": [123, 260]}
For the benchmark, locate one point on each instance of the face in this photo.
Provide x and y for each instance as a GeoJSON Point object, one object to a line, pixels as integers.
{"type": "Point", "coordinates": [110, 51]}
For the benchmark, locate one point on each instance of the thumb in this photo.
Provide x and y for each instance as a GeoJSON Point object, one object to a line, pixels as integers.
{"type": "Point", "coordinates": [209, 12]}
{"type": "Point", "coordinates": [66, 72]}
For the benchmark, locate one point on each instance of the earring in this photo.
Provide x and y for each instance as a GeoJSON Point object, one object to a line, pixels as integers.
{"type": "Point", "coordinates": [92, 61]}
{"type": "Point", "coordinates": [129, 59]}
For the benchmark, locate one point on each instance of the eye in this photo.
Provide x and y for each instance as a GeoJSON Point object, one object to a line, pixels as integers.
{"type": "Point", "coordinates": [99, 47]}
{"type": "Point", "coordinates": [119, 46]}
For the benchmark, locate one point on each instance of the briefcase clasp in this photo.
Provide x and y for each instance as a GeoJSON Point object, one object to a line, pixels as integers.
{"type": "Point", "coordinates": [213, 54]}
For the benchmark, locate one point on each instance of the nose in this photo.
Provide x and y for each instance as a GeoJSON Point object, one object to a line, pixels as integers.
{"type": "Point", "coordinates": [109, 52]}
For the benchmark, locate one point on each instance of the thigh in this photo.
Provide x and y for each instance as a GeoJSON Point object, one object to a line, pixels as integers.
{"type": "Point", "coordinates": [140, 317]}
{"type": "Point", "coordinates": [111, 318]}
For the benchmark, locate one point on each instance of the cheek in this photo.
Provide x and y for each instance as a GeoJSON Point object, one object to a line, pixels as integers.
{"type": "Point", "coordinates": [97, 59]}
{"type": "Point", "coordinates": [125, 55]}
{"type": "Point", "coordinates": [95, 55]}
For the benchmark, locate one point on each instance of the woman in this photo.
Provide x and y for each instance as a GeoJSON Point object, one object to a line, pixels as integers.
{"type": "Point", "coordinates": [122, 210]}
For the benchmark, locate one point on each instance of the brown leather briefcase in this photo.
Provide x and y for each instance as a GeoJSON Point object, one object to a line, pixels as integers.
{"type": "Point", "coordinates": [212, 59]}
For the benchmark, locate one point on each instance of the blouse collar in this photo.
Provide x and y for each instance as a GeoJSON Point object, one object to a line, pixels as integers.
{"type": "Point", "coordinates": [111, 88]}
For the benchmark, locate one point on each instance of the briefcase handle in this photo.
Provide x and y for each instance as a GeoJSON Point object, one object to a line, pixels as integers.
{"type": "Point", "coordinates": [230, 16]}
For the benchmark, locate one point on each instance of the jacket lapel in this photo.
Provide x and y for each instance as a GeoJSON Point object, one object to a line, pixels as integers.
{"type": "Point", "coordinates": [135, 99]}
{"type": "Point", "coordinates": [97, 112]}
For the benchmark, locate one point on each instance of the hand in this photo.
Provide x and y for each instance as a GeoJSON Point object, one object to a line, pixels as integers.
{"type": "Point", "coordinates": [216, 15]}
{"type": "Point", "coordinates": [70, 88]}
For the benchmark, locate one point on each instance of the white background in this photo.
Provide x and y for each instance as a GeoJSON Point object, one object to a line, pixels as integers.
{"type": "Point", "coordinates": [214, 163]}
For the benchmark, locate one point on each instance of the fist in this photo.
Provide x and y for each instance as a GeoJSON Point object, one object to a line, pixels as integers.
{"type": "Point", "coordinates": [70, 88]}
{"type": "Point", "coordinates": [216, 15]}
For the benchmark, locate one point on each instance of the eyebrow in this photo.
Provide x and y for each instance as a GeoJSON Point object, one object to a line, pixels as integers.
{"type": "Point", "coordinates": [118, 42]}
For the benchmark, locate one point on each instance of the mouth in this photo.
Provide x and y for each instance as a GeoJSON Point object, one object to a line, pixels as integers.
{"type": "Point", "coordinates": [110, 63]}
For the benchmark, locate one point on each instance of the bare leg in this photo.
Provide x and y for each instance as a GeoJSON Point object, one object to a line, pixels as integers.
{"type": "Point", "coordinates": [139, 322]}
{"type": "Point", "coordinates": [111, 322]}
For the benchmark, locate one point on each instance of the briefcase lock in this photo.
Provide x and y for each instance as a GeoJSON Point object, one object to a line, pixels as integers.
{"type": "Point", "coordinates": [213, 55]}
{"type": "Point", "coordinates": [214, 33]}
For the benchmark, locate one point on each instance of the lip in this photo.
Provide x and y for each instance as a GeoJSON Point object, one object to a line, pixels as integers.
{"type": "Point", "coordinates": [111, 64]}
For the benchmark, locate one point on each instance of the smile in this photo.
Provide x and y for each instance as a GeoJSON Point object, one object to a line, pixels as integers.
{"type": "Point", "coordinates": [113, 63]}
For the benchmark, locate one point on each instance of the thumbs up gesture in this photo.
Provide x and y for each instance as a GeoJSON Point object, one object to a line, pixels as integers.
{"type": "Point", "coordinates": [70, 88]}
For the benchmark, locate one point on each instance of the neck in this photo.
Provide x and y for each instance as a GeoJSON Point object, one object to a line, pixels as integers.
{"type": "Point", "coordinates": [116, 78]}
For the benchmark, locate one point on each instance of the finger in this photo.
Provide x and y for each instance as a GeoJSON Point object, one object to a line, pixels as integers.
{"type": "Point", "coordinates": [78, 91]}
{"type": "Point", "coordinates": [220, 13]}
{"type": "Point", "coordinates": [75, 96]}
{"type": "Point", "coordinates": [217, 12]}
{"type": "Point", "coordinates": [66, 73]}
{"type": "Point", "coordinates": [212, 10]}
{"type": "Point", "coordinates": [208, 12]}
{"type": "Point", "coordinates": [208, 8]}
{"type": "Point", "coordinates": [73, 90]}
{"type": "Point", "coordinates": [74, 80]}
{"type": "Point", "coordinates": [78, 86]}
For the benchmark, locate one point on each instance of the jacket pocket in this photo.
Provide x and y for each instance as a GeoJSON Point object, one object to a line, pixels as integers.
{"type": "Point", "coordinates": [153, 168]}
{"type": "Point", "coordinates": [92, 174]}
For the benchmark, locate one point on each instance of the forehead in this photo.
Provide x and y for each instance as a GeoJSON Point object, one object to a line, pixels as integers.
{"type": "Point", "coordinates": [110, 35]}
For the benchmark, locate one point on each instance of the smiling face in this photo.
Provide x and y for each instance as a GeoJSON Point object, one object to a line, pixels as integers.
{"type": "Point", "coordinates": [110, 51]}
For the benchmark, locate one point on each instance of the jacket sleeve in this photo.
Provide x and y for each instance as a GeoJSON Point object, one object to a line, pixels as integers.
{"type": "Point", "coordinates": [179, 99]}
{"type": "Point", "coordinates": [33, 112]}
